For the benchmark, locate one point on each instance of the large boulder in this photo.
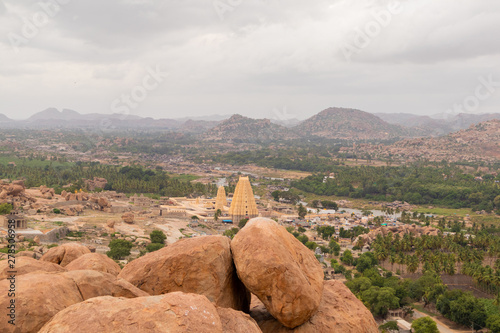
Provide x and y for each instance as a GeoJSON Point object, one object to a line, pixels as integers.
{"type": "Point", "coordinates": [283, 273]}
{"type": "Point", "coordinates": [64, 254]}
{"type": "Point", "coordinates": [201, 265]}
{"type": "Point", "coordinates": [128, 218]}
{"type": "Point", "coordinates": [174, 313]}
{"type": "Point", "coordinates": [95, 261]}
{"type": "Point", "coordinates": [339, 311]}
{"type": "Point", "coordinates": [237, 322]}
{"type": "Point", "coordinates": [39, 296]}
{"type": "Point", "coordinates": [25, 265]}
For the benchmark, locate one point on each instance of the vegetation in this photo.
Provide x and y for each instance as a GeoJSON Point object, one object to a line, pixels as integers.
{"type": "Point", "coordinates": [424, 325]}
{"type": "Point", "coordinates": [119, 249]}
{"type": "Point", "coordinates": [157, 236]}
{"type": "Point", "coordinates": [5, 208]}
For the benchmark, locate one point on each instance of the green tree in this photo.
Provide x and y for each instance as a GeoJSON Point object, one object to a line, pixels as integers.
{"type": "Point", "coordinates": [231, 232]}
{"type": "Point", "coordinates": [154, 247]}
{"type": "Point", "coordinates": [380, 300]}
{"type": "Point", "coordinates": [157, 236]}
{"type": "Point", "coordinates": [242, 223]}
{"type": "Point", "coordinates": [5, 208]}
{"type": "Point", "coordinates": [493, 323]}
{"type": "Point", "coordinates": [119, 248]}
{"type": "Point", "coordinates": [334, 246]}
{"type": "Point", "coordinates": [347, 257]}
{"type": "Point", "coordinates": [217, 214]}
{"type": "Point", "coordinates": [424, 325]}
{"type": "Point", "coordinates": [390, 326]}
{"type": "Point", "coordinates": [302, 211]}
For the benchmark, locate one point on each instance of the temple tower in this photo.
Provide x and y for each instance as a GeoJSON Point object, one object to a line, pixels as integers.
{"type": "Point", "coordinates": [221, 200]}
{"type": "Point", "coordinates": [243, 204]}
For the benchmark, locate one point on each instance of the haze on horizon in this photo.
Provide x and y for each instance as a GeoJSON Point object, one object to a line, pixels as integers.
{"type": "Point", "coordinates": [258, 58]}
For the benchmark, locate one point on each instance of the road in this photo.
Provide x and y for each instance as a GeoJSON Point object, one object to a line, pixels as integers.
{"type": "Point", "coordinates": [441, 327]}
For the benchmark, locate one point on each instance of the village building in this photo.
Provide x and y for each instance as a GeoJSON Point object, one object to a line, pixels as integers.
{"type": "Point", "coordinates": [221, 200]}
{"type": "Point", "coordinates": [20, 221]}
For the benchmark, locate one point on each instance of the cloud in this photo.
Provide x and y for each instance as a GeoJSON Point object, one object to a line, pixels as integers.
{"type": "Point", "coordinates": [258, 56]}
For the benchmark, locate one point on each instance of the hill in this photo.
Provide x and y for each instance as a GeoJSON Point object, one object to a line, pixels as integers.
{"type": "Point", "coordinates": [439, 124]}
{"type": "Point", "coordinates": [480, 142]}
{"type": "Point", "coordinates": [341, 123]}
{"type": "Point", "coordinates": [243, 129]}
{"type": "Point", "coordinates": [4, 118]}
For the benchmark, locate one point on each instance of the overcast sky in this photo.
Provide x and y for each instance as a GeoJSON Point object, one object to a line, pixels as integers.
{"type": "Point", "coordinates": [260, 58]}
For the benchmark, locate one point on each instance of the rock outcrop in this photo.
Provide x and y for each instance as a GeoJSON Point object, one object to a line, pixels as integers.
{"type": "Point", "coordinates": [95, 261]}
{"type": "Point", "coordinates": [201, 265]}
{"type": "Point", "coordinates": [25, 265]}
{"type": "Point", "coordinates": [39, 296]}
{"type": "Point", "coordinates": [237, 322]}
{"type": "Point", "coordinates": [65, 253]}
{"type": "Point", "coordinates": [128, 218]}
{"type": "Point", "coordinates": [279, 270]}
{"type": "Point", "coordinates": [339, 311]}
{"type": "Point", "coordinates": [174, 313]}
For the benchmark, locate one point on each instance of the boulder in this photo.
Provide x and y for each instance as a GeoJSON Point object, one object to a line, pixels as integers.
{"type": "Point", "coordinates": [95, 261]}
{"type": "Point", "coordinates": [29, 254]}
{"type": "Point", "coordinates": [276, 267]}
{"type": "Point", "coordinates": [65, 253]}
{"type": "Point", "coordinates": [25, 265]}
{"type": "Point", "coordinates": [111, 223]}
{"type": "Point", "coordinates": [36, 240]}
{"type": "Point", "coordinates": [339, 311]}
{"type": "Point", "coordinates": [201, 265]}
{"type": "Point", "coordinates": [128, 218]}
{"type": "Point", "coordinates": [39, 296]}
{"type": "Point", "coordinates": [103, 202]}
{"type": "Point", "coordinates": [237, 322]}
{"type": "Point", "coordinates": [174, 313]}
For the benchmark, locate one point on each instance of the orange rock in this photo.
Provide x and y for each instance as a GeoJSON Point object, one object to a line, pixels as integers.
{"type": "Point", "coordinates": [65, 253]}
{"type": "Point", "coordinates": [339, 311]}
{"type": "Point", "coordinates": [175, 313]}
{"type": "Point", "coordinates": [25, 265]}
{"type": "Point", "coordinates": [95, 261]}
{"type": "Point", "coordinates": [279, 270]}
{"type": "Point", "coordinates": [128, 218]}
{"type": "Point", "coordinates": [201, 265]}
{"type": "Point", "coordinates": [237, 322]}
{"type": "Point", "coordinates": [39, 296]}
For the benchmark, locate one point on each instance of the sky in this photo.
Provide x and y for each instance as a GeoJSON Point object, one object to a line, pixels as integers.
{"type": "Point", "coordinates": [278, 59]}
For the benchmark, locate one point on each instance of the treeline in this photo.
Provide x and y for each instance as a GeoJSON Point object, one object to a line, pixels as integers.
{"type": "Point", "coordinates": [445, 186]}
{"type": "Point", "coordinates": [122, 179]}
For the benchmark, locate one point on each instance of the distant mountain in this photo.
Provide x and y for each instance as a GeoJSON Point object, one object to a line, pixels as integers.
{"type": "Point", "coordinates": [243, 129]}
{"type": "Point", "coordinates": [4, 118]}
{"type": "Point", "coordinates": [479, 142]}
{"type": "Point", "coordinates": [341, 123]}
{"type": "Point", "coordinates": [55, 114]}
{"type": "Point", "coordinates": [435, 125]}
{"type": "Point", "coordinates": [197, 126]}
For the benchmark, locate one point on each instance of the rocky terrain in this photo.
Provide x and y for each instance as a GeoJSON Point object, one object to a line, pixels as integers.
{"type": "Point", "coordinates": [243, 129]}
{"type": "Point", "coordinates": [480, 142]}
{"type": "Point", "coordinates": [197, 285]}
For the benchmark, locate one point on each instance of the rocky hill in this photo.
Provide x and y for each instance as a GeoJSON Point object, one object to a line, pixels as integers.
{"type": "Point", "coordinates": [480, 142]}
{"type": "Point", "coordinates": [207, 284]}
{"type": "Point", "coordinates": [341, 123]}
{"type": "Point", "coordinates": [438, 124]}
{"type": "Point", "coordinates": [4, 118]}
{"type": "Point", "coordinates": [243, 129]}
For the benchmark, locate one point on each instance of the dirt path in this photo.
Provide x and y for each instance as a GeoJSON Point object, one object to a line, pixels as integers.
{"type": "Point", "coordinates": [441, 326]}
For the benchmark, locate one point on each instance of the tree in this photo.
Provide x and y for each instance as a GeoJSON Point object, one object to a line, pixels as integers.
{"type": "Point", "coordinates": [119, 248]}
{"type": "Point", "coordinates": [5, 208]}
{"type": "Point", "coordinates": [243, 222]}
{"type": "Point", "coordinates": [380, 300]}
{"type": "Point", "coordinates": [347, 257]}
{"type": "Point", "coordinates": [334, 246]}
{"type": "Point", "coordinates": [302, 211]}
{"type": "Point", "coordinates": [389, 326]}
{"type": "Point", "coordinates": [424, 325]}
{"type": "Point", "coordinates": [217, 214]}
{"type": "Point", "coordinates": [493, 323]}
{"type": "Point", "coordinates": [231, 232]}
{"type": "Point", "coordinates": [154, 247]}
{"type": "Point", "coordinates": [157, 236]}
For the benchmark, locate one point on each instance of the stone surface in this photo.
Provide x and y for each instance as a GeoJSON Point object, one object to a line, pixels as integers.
{"type": "Point", "coordinates": [65, 253]}
{"type": "Point", "coordinates": [174, 313]}
{"type": "Point", "coordinates": [128, 218]}
{"type": "Point", "coordinates": [25, 265]}
{"type": "Point", "coordinates": [39, 296]}
{"type": "Point", "coordinates": [95, 261]}
{"type": "Point", "coordinates": [279, 270]}
{"type": "Point", "coordinates": [201, 265]}
{"type": "Point", "coordinates": [237, 322]}
{"type": "Point", "coordinates": [339, 311]}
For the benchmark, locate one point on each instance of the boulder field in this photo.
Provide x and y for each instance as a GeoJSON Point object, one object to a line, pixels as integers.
{"type": "Point", "coordinates": [201, 284]}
